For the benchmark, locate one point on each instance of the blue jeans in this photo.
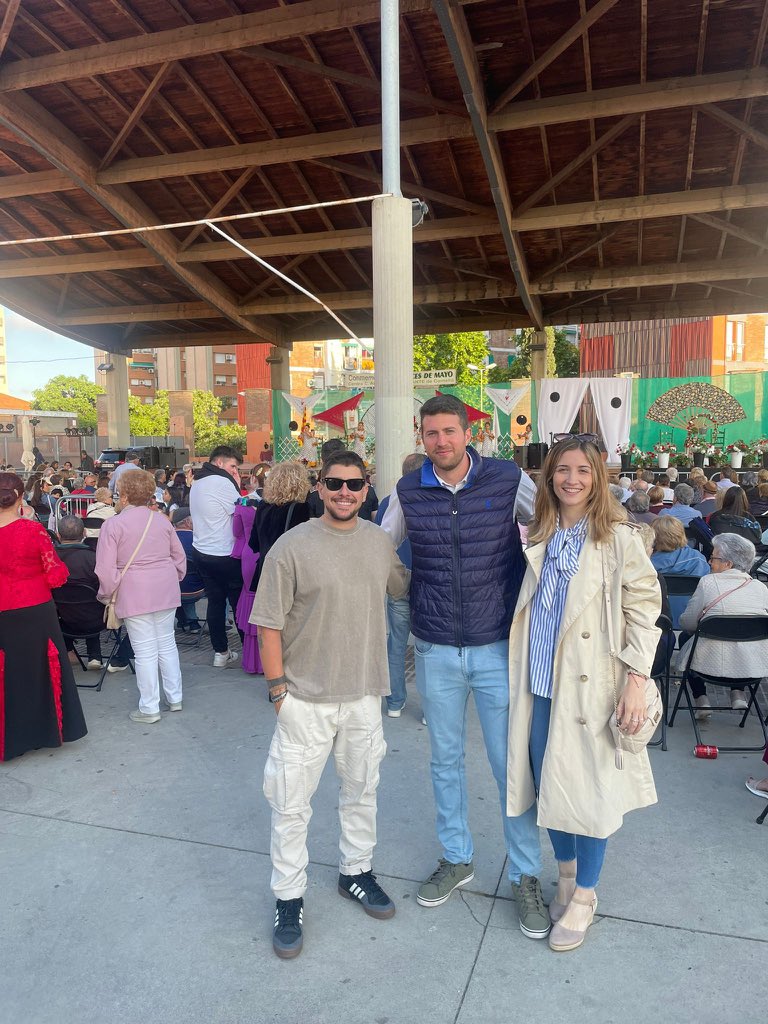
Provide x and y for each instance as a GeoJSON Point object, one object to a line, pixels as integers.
{"type": "Point", "coordinates": [444, 678]}
{"type": "Point", "coordinates": [399, 620]}
{"type": "Point", "coordinates": [587, 851]}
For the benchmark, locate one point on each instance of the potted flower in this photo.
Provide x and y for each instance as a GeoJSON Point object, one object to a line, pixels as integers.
{"type": "Point", "coordinates": [736, 451]}
{"type": "Point", "coordinates": [683, 460]}
{"type": "Point", "coordinates": [626, 450]}
{"type": "Point", "coordinates": [664, 449]}
{"type": "Point", "coordinates": [698, 449]}
{"type": "Point", "coordinates": [643, 459]}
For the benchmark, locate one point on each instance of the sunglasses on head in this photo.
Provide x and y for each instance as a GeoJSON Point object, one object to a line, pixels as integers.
{"type": "Point", "coordinates": [335, 483]}
{"type": "Point", "coordinates": [583, 438]}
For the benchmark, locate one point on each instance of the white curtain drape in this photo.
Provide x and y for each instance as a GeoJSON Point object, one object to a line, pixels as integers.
{"type": "Point", "coordinates": [559, 403]}
{"type": "Point", "coordinates": [612, 397]}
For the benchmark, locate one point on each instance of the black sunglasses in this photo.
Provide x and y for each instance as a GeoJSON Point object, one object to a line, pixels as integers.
{"type": "Point", "coordinates": [583, 438]}
{"type": "Point", "coordinates": [335, 483]}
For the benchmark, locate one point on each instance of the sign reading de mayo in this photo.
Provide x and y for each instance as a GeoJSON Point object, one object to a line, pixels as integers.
{"type": "Point", "coordinates": [433, 378]}
{"type": "Point", "coordinates": [421, 378]}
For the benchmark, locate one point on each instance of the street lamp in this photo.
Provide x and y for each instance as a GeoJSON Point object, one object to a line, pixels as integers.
{"type": "Point", "coordinates": [483, 369]}
{"type": "Point", "coordinates": [5, 430]}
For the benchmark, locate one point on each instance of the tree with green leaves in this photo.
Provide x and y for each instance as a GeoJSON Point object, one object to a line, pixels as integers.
{"type": "Point", "coordinates": [149, 420]}
{"type": "Point", "coordinates": [562, 357]}
{"type": "Point", "coordinates": [65, 393]}
{"type": "Point", "coordinates": [444, 351]}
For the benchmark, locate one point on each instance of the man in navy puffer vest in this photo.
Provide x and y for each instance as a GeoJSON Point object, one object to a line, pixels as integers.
{"type": "Point", "coordinates": [459, 512]}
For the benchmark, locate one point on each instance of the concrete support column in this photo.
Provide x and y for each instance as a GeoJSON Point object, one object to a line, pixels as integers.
{"type": "Point", "coordinates": [168, 364]}
{"type": "Point", "coordinates": [393, 335]}
{"type": "Point", "coordinates": [538, 355]}
{"type": "Point", "coordinates": [116, 385]}
{"type": "Point", "coordinates": [199, 368]}
{"type": "Point", "coordinates": [279, 361]}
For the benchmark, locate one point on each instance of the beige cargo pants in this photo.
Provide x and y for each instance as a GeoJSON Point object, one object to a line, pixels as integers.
{"type": "Point", "coordinates": [305, 734]}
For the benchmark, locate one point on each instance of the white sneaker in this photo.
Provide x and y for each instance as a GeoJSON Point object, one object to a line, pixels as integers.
{"type": "Point", "coordinates": [117, 668]}
{"type": "Point", "coordinates": [139, 716]}
{"type": "Point", "coordinates": [705, 712]}
{"type": "Point", "coordinates": [224, 659]}
{"type": "Point", "coordinates": [394, 712]}
{"type": "Point", "coordinates": [738, 703]}
{"type": "Point", "coordinates": [94, 666]}
{"type": "Point", "coordinates": [174, 707]}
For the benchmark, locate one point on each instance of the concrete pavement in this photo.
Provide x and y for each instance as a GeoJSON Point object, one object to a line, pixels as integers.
{"type": "Point", "coordinates": [136, 886]}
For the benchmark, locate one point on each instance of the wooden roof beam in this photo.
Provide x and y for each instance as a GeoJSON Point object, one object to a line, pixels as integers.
{"type": "Point", "coordinates": [9, 16]}
{"type": "Point", "coordinates": [310, 67]}
{"type": "Point", "coordinates": [731, 229]}
{"type": "Point", "coordinates": [735, 124]}
{"type": "Point", "coordinates": [651, 275]}
{"type": "Point", "coordinates": [560, 46]}
{"type": "Point", "coordinates": [186, 41]}
{"type": "Point", "coordinates": [661, 310]}
{"type": "Point", "coordinates": [666, 94]}
{"type": "Point", "coordinates": [663, 204]}
{"type": "Point", "coordinates": [30, 121]}
{"type": "Point", "coordinates": [460, 45]}
{"type": "Point", "coordinates": [422, 295]}
{"type": "Point", "coordinates": [435, 128]}
{"type": "Point", "coordinates": [275, 245]}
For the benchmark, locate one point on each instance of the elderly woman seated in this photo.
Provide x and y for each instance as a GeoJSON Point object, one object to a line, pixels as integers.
{"type": "Point", "coordinates": [671, 554]}
{"type": "Point", "coordinates": [638, 505]}
{"type": "Point", "coordinates": [728, 591]}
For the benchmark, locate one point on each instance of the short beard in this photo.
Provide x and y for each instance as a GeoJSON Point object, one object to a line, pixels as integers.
{"type": "Point", "coordinates": [452, 466]}
{"type": "Point", "coordinates": [339, 518]}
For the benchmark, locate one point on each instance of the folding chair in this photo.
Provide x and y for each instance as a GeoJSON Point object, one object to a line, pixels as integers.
{"type": "Point", "coordinates": [78, 594]}
{"type": "Point", "coordinates": [662, 678]}
{"type": "Point", "coordinates": [680, 589]}
{"type": "Point", "coordinates": [739, 629]}
{"type": "Point", "coordinates": [197, 637]}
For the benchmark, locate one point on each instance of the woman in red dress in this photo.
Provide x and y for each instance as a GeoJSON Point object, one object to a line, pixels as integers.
{"type": "Point", "coordinates": [39, 703]}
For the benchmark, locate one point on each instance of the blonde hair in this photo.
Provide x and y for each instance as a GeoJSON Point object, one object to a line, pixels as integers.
{"type": "Point", "coordinates": [655, 495]}
{"type": "Point", "coordinates": [696, 472]}
{"type": "Point", "coordinates": [103, 494]}
{"type": "Point", "coordinates": [670, 534]}
{"type": "Point", "coordinates": [286, 482]}
{"type": "Point", "coordinates": [136, 486]}
{"type": "Point", "coordinates": [603, 511]}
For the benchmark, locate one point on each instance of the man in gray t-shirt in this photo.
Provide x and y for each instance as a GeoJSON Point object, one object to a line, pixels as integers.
{"type": "Point", "coordinates": [326, 683]}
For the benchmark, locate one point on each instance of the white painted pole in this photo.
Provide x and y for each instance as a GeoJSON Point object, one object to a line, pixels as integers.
{"type": "Point", "coordinates": [393, 331]}
{"type": "Point", "coordinates": [392, 275]}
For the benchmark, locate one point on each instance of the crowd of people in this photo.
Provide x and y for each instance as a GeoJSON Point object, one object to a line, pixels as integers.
{"type": "Point", "coordinates": [542, 601]}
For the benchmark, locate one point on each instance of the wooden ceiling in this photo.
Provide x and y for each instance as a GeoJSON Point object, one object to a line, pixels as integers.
{"type": "Point", "coordinates": [583, 160]}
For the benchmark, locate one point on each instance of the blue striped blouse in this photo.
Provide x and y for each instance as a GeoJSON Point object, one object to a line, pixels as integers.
{"type": "Point", "coordinates": [561, 563]}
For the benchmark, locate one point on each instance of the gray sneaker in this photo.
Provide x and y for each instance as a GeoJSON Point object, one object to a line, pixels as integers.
{"type": "Point", "coordinates": [443, 880]}
{"type": "Point", "coordinates": [531, 909]}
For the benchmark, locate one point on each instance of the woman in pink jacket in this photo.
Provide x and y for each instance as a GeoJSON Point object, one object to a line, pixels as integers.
{"type": "Point", "coordinates": [147, 591]}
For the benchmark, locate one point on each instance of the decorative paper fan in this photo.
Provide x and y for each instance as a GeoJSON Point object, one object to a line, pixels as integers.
{"type": "Point", "coordinates": [695, 402]}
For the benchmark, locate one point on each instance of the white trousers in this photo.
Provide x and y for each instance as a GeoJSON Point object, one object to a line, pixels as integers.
{"type": "Point", "coordinates": [304, 736]}
{"type": "Point", "coordinates": [155, 651]}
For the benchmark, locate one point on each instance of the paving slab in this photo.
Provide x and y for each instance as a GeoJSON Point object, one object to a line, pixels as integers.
{"type": "Point", "coordinates": [136, 885]}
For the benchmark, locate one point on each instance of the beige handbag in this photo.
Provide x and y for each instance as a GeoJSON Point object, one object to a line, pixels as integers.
{"type": "Point", "coordinates": [638, 741]}
{"type": "Point", "coordinates": [111, 619]}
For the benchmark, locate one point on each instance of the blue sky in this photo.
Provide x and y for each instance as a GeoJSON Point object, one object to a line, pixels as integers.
{"type": "Point", "coordinates": [36, 354]}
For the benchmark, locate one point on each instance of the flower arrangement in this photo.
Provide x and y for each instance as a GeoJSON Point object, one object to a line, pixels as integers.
{"type": "Point", "coordinates": [737, 446]}
{"type": "Point", "coordinates": [626, 448]}
{"type": "Point", "coordinates": [760, 447]}
{"type": "Point", "coordinates": [683, 460]}
{"type": "Point", "coordinates": [643, 459]}
{"type": "Point", "coordinates": [698, 444]}
{"type": "Point", "coordinates": [664, 446]}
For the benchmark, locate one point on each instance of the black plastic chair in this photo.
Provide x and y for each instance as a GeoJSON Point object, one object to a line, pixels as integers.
{"type": "Point", "coordinates": [662, 679]}
{"type": "Point", "coordinates": [73, 595]}
{"type": "Point", "coordinates": [726, 629]}
{"type": "Point", "coordinates": [679, 588]}
{"type": "Point", "coordinates": [197, 635]}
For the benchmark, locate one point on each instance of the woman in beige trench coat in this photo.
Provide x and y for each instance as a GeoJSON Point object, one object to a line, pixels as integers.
{"type": "Point", "coordinates": [583, 559]}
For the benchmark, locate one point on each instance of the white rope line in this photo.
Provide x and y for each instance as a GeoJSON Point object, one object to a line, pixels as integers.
{"type": "Point", "coordinates": [349, 333]}
{"type": "Point", "coordinates": [210, 221]}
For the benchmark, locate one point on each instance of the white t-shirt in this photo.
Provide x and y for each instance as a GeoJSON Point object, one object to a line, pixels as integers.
{"type": "Point", "coordinates": [212, 503]}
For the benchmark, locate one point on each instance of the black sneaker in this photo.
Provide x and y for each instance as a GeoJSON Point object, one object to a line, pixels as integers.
{"type": "Point", "coordinates": [287, 939]}
{"type": "Point", "coordinates": [366, 890]}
